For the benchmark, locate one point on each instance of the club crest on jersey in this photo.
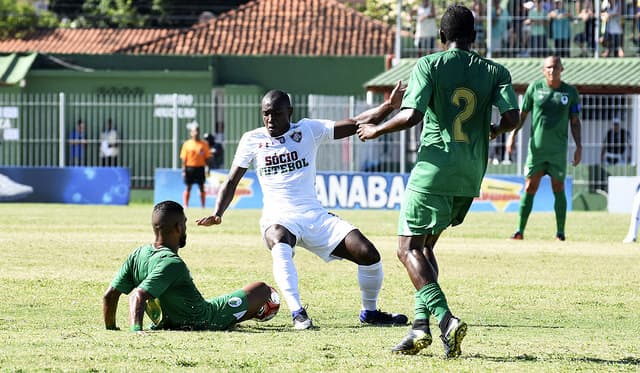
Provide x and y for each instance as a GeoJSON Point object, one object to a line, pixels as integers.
{"type": "Point", "coordinates": [296, 136]}
{"type": "Point", "coordinates": [280, 139]}
{"type": "Point", "coordinates": [564, 99]}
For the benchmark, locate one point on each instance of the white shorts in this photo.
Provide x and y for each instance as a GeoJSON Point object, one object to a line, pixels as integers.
{"type": "Point", "coordinates": [318, 230]}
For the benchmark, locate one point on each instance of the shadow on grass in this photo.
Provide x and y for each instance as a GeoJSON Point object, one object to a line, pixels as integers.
{"type": "Point", "coordinates": [635, 361]}
{"type": "Point", "coordinates": [518, 326]}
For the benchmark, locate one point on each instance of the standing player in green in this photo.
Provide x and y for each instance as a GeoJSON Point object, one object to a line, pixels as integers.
{"type": "Point", "coordinates": [554, 103]}
{"type": "Point", "coordinates": [156, 271]}
{"type": "Point", "coordinates": [451, 93]}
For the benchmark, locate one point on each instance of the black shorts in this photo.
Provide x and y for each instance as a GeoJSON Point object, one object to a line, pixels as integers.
{"type": "Point", "coordinates": [194, 175]}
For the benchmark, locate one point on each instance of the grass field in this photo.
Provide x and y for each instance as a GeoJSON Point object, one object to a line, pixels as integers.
{"type": "Point", "coordinates": [533, 306]}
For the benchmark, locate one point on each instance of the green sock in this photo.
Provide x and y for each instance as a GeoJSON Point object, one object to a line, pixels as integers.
{"type": "Point", "coordinates": [526, 204]}
{"type": "Point", "coordinates": [434, 300]}
{"type": "Point", "coordinates": [560, 206]}
{"type": "Point", "coordinates": [420, 309]}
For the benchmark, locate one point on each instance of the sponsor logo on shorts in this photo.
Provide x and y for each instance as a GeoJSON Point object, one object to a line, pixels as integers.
{"type": "Point", "coordinates": [234, 302]}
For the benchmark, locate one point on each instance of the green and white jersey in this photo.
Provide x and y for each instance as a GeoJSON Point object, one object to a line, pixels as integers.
{"type": "Point", "coordinates": [456, 90]}
{"type": "Point", "coordinates": [551, 110]}
{"type": "Point", "coordinates": [163, 274]}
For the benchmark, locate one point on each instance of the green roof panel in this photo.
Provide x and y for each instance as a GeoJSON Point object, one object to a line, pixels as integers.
{"type": "Point", "coordinates": [14, 67]}
{"type": "Point", "coordinates": [608, 75]}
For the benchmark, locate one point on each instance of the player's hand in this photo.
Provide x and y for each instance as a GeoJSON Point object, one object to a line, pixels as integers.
{"type": "Point", "coordinates": [577, 156]}
{"type": "Point", "coordinates": [509, 145]}
{"type": "Point", "coordinates": [493, 132]}
{"type": "Point", "coordinates": [395, 99]}
{"type": "Point", "coordinates": [210, 220]}
{"type": "Point", "coordinates": [366, 131]}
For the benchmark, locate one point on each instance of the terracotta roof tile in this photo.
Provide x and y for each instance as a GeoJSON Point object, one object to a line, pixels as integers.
{"type": "Point", "coordinates": [269, 27]}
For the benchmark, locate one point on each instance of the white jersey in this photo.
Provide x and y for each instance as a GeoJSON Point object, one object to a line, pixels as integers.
{"type": "Point", "coordinates": [286, 165]}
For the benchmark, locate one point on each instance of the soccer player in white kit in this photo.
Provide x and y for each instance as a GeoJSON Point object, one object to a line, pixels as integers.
{"type": "Point", "coordinates": [284, 157]}
{"type": "Point", "coordinates": [632, 235]}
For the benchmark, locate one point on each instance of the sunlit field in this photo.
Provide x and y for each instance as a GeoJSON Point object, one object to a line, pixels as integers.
{"type": "Point", "coordinates": [538, 305]}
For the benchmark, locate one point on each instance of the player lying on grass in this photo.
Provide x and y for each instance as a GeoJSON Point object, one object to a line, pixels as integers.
{"type": "Point", "coordinates": [156, 271]}
{"type": "Point", "coordinates": [284, 157]}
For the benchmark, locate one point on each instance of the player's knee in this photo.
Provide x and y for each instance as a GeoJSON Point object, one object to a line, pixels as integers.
{"type": "Point", "coordinates": [402, 253]}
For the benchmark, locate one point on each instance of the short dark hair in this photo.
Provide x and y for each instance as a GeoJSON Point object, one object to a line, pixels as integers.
{"type": "Point", "coordinates": [166, 215]}
{"type": "Point", "coordinates": [276, 96]}
{"type": "Point", "coordinates": [457, 24]}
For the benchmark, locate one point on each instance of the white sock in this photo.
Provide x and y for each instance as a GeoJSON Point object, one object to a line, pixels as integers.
{"type": "Point", "coordinates": [370, 280]}
{"type": "Point", "coordinates": [286, 275]}
{"type": "Point", "coordinates": [635, 216]}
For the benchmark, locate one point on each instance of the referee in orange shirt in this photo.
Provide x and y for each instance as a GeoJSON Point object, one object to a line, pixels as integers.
{"type": "Point", "coordinates": [194, 154]}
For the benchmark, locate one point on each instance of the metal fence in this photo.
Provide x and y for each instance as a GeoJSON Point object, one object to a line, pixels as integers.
{"type": "Point", "coordinates": [514, 28]}
{"type": "Point", "coordinates": [35, 131]}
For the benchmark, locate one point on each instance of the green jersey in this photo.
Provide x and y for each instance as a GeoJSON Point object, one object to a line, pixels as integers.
{"type": "Point", "coordinates": [551, 110]}
{"type": "Point", "coordinates": [164, 275]}
{"type": "Point", "coordinates": [455, 89]}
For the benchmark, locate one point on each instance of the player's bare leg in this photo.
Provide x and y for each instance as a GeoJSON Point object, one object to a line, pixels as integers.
{"type": "Point", "coordinates": [416, 254]}
{"type": "Point", "coordinates": [257, 295]}
{"type": "Point", "coordinates": [356, 248]}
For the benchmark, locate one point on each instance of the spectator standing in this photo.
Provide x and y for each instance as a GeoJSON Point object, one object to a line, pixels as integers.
{"type": "Point", "coordinates": [616, 148]}
{"type": "Point", "coordinates": [613, 34]}
{"type": "Point", "coordinates": [479, 15]}
{"type": "Point", "coordinates": [586, 39]}
{"type": "Point", "coordinates": [109, 145]}
{"type": "Point", "coordinates": [77, 144]}
{"type": "Point", "coordinates": [560, 29]}
{"type": "Point", "coordinates": [537, 20]}
{"type": "Point", "coordinates": [426, 28]}
{"type": "Point", "coordinates": [216, 158]}
{"type": "Point", "coordinates": [194, 154]}
{"type": "Point", "coordinates": [500, 29]}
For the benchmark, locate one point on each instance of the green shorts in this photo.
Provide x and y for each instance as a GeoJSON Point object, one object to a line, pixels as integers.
{"type": "Point", "coordinates": [557, 171]}
{"type": "Point", "coordinates": [423, 213]}
{"type": "Point", "coordinates": [228, 309]}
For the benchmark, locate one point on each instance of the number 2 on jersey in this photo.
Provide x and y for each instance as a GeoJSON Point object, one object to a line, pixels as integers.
{"type": "Point", "coordinates": [468, 108]}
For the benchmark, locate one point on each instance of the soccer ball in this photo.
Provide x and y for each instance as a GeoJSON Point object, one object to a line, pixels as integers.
{"type": "Point", "coordinates": [269, 310]}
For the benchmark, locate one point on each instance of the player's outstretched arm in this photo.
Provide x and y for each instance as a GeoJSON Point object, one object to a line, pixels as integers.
{"type": "Point", "coordinates": [225, 196]}
{"type": "Point", "coordinates": [109, 308]}
{"type": "Point", "coordinates": [347, 127]}
{"type": "Point", "coordinates": [406, 118]}
{"type": "Point", "coordinates": [137, 302]}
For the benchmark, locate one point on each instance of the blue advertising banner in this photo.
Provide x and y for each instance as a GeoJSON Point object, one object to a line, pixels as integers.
{"type": "Point", "coordinates": [79, 185]}
{"type": "Point", "coordinates": [337, 190]}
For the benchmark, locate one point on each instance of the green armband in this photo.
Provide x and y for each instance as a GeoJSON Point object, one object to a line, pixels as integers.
{"type": "Point", "coordinates": [136, 328]}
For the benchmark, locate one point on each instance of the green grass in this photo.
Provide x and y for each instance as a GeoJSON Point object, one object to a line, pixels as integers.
{"type": "Point", "coordinates": [536, 305]}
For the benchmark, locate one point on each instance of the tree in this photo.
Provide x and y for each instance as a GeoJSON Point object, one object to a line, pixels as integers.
{"type": "Point", "coordinates": [19, 18]}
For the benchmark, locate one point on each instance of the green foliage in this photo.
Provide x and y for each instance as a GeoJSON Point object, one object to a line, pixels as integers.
{"type": "Point", "coordinates": [112, 13]}
{"type": "Point", "coordinates": [536, 305]}
{"type": "Point", "coordinates": [19, 19]}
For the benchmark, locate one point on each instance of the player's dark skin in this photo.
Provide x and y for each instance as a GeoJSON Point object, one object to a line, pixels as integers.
{"type": "Point", "coordinates": [174, 237]}
{"type": "Point", "coordinates": [417, 252]}
{"type": "Point", "coordinates": [276, 117]}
